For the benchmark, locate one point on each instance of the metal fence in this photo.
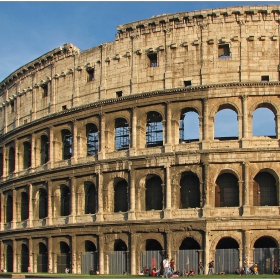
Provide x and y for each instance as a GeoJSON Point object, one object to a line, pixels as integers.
{"type": "Point", "coordinates": [63, 261]}
{"type": "Point", "coordinates": [226, 260]}
{"type": "Point", "coordinates": [151, 259]}
{"type": "Point", "coordinates": [42, 263]}
{"type": "Point", "coordinates": [89, 260]}
{"type": "Point", "coordinates": [117, 262]}
{"type": "Point", "coordinates": [187, 259]}
{"type": "Point", "coordinates": [266, 258]}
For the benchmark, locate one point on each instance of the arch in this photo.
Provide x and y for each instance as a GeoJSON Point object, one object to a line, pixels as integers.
{"type": "Point", "coordinates": [63, 258]}
{"type": "Point", "coordinates": [67, 149]}
{"type": "Point", "coordinates": [226, 123]}
{"type": "Point", "coordinates": [89, 246]}
{"type": "Point", "coordinates": [44, 149]}
{"type": "Point", "coordinates": [119, 245]}
{"type": "Point", "coordinates": [190, 192]}
{"type": "Point", "coordinates": [64, 200]}
{"type": "Point", "coordinates": [9, 208]}
{"type": "Point", "coordinates": [154, 193]}
{"type": "Point", "coordinates": [265, 242]}
{"type": "Point", "coordinates": [154, 129]}
{"type": "Point", "coordinates": [189, 125]}
{"type": "Point", "coordinates": [227, 243]}
{"type": "Point", "coordinates": [42, 258]}
{"type": "Point", "coordinates": [92, 139]}
{"type": "Point", "coordinates": [153, 245]}
{"type": "Point", "coordinates": [189, 243]}
{"type": "Point", "coordinates": [24, 209]}
{"type": "Point", "coordinates": [90, 198]}
{"type": "Point", "coordinates": [263, 123]}
{"type": "Point", "coordinates": [122, 140]}
{"type": "Point", "coordinates": [120, 195]}
{"type": "Point", "coordinates": [226, 191]}
{"type": "Point", "coordinates": [24, 258]}
{"type": "Point", "coordinates": [26, 155]}
{"type": "Point", "coordinates": [43, 204]}
{"type": "Point", "coordinates": [11, 159]}
{"type": "Point", "coordinates": [1, 164]}
{"type": "Point", "coordinates": [264, 190]}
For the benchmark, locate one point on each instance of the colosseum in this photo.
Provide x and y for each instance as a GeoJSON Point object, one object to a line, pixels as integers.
{"type": "Point", "coordinates": [100, 167]}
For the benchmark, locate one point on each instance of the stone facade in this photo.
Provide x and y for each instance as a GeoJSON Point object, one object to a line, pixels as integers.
{"type": "Point", "coordinates": [59, 197]}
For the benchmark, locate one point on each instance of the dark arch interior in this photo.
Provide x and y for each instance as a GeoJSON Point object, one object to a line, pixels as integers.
{"type": "Point", "coordinates": [42, 248]}
{"type": "Point", "coordinates": [89, 246]}
{"type": "Point", "coordinates": [120, 245]}
{"type": "Point", "coordinates": [265, 242]}
{"type": "Point", "coordinates": [227, 243]}
{"type": "Point", "coordinates": [64, 248]}
{"type": "Point", "coordinates": [152, 245]}
{"type": "Point", "coordinates": [189, 244]}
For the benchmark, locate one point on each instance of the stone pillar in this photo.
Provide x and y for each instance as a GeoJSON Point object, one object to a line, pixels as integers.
{"type": "Point", "coordinates": [246, 194]}
{"type": "Point", "coordinates": [133, 262]}
{"type": "Point", "coordinates": [102, 149]}
{"type": "Point", "coordinates": [168, 248]}
{"type": "Point", "coordinates": [101, 253]}
{"type": "Point", "coordinates": [168, 193]}
{"type": "Point", "coordinates": [245, 132]}
{"type": "Point", "coordinates": [49, 219]}
{"type": "Point", "coordinates": [277, 120]}
{"type": "Point", "coordinates": [50, 256]}
{"type": "Point", "coordinates": [33, 151]}
{"type": "Point", "coordinates": [30, 206]}
{"type": "Point", "coordinates": [73, 210]}
{"type": "Point", "coordinates": [131, 213]}
{"type": "Point", "coordinates": [17, 168]}
{"type": "Point", "coordinates": [168, 129]}
{"type": "Point", "coordinates": [75, 141]}
{"type": "Point", "coordinates": [74, 254]}
{"type": "Point", "coordinates": [30, 261]}
{"type": "Point", "coordinates": [5, 161]}
{"type": "Point", "coordinates": [15, 256]}
{"type": "Point", "coordinates": [2, 212]}
{"type": "Point", "coordinates": [51, 147]}
{"type": "Point", "coordinates": [205, 135]}
{"type": "Point", "coordinates": [133, 147]}
{"type": "Point", "coordinates": [206, 251]}
{"type": "Point", "coordinates": [99, 215]}
{"type": "Point", "coordinates": [206, 190]}
{"type": "Point", "coordinates": [14, 221]}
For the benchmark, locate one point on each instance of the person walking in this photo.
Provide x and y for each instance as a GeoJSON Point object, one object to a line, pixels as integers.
{"type": "Point", "coordinates": [200, 268]}
{"type": "Point", "coordinates": [165, 264]}
{"type": "Point", "coordinates": [211, 267]}
{"type": "Point", "coordinates": [246, 266]}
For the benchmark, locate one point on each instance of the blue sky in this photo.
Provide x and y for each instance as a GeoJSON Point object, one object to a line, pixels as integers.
{"type": "Point", "coordinates": [31, 29]}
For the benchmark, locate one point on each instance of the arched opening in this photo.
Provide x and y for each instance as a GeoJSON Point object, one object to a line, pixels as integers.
{"type": "Point", "coordinates": [92, 139]}
{"type": "Point", "coordinates": [11, 159]}
{"type": "Point", "coordinates": [190, 194]}
{"type": "Point", "coordinates": [90, 198]}
{"type": "Point", "coordinates": [10, 259]}
{"type": "Point", "coordinates": [65, 200]}
{"type": "Point", "coordinates": [24, 206]}
{"type": "Point", "coordinates": [226, 256]}
{"type": "Point", "coordinates": [24, 258]}
{"type": "Point", "coordinates": [266, 254]}
{"type": "Point", "coordinates": [42, 258]}
{"type": "Point", "coordinates": [63, 258]}
{"type": "Point", "coordinates": [121, 196]}
{"type": "Point", "coordinates": [226, 125]}
{"type": "Point", "coordinates": [188, 254]}
{"type": "Point", "coordinates": [43, 204]}
{"type": "Point", "coordinates": [44, 149]}
{"type": "Point", "coordinates": [154, 194]}
{"type": "Point", "coordinates": [66, 137]}
{"type": "Point", "coordinates": [119, 245]}
{"type": "Point", "coordinates": [26, 155]}
{"type": "Point", "coordinates": [153, 245]}
{"type": "Point", "coordinates": [264, 123]}
{"type": "Point", "coordinates": [9, 209]}
{"type": "Point", "coordinates": [121, 134]}
{"type": "Point", "coordinates": [154, 129]}
{"type": "Point", "coordinates": [264, 190]}
{"type": "Point", "coordinates": [89, 258]}
{"type": "Point", "coordinates": [226, 191]}
{"type": "Point", "coordinates": [188, 126]}
{"type": "Point", "coordinates": [118, 258]}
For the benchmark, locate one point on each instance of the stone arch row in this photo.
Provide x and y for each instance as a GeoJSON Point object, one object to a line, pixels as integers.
{"type": "Point", "coordinates": [85, 138]}
{"type": "Point", "coordinates": [115, 194]}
